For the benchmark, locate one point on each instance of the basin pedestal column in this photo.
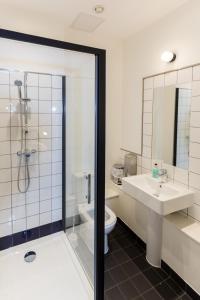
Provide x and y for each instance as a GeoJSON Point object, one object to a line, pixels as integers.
{"type": "Point", "coordinates": [154, 238]}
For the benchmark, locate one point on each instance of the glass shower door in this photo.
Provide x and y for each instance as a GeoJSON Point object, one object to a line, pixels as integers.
{"type": "Point", "coordinates": [80, 166]}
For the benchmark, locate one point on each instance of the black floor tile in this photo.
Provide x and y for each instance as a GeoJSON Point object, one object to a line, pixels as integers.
{"type": "Point", "coordinates": [114, 294]}
{"type": "Point", "coordinates": [151, 295]}
{"type": "Point", "coordinates": [120, 256]}
{"type": "Point", "coordinates": [141, 283]}
{"type": "Point", "coordinates": [129, 276]}
{"type": "Point", "coordinates": [165, 291]}
{"type": "Point", "coordinates": [142, 263]}
{"type": "Point", "coordinates": [175, 287]}
{"type": "Point", "coordinates": [130, 268]}
{"type": "Point", "coordinates": [110, 262]}
{"type": "Point", "coordinates": [152, 276]}
{"type": "Point", "coordinates": [118, 274]}
{"type": "Point", "coordinates": [133, 251]}
{"type": "Point", "coordinates": [113, 245]}
{"type": "Point", "coordinates": [128, 290]}
{"type": "Point", "coordinates": [185, 297]}
{"type": "Point", "coordinates": [108, 281]}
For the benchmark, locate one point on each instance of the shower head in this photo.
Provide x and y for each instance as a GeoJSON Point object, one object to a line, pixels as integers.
{"type": "Point", "coordinates": [18, 83]}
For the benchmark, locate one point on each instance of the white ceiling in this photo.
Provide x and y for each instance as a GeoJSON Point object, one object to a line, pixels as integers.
{"type": "Point", "coordinates": [122, 17]}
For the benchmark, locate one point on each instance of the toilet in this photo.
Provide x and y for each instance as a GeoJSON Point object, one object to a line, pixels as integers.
{"type": "Point", "coordinates": [110, 222]}
{"type": "Point", "coordinates": [87, 216]}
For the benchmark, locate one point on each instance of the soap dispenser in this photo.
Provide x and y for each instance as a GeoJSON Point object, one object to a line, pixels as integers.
{"type": "Point", "coordinates": [155, 171]}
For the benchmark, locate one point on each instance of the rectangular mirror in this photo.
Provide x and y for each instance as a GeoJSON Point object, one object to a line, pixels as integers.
{"type": "Point", "coordinates": [171, 122]}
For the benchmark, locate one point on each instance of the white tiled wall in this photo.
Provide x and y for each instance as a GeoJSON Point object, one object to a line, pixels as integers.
{"type": "Point", "coordinates": [42, 203]}
{"type": "Point", "coordinates": [191, 178]}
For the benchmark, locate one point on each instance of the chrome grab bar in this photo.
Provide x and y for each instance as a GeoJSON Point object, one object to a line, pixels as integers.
{"type": "Point", "coordinates": [88, 196]}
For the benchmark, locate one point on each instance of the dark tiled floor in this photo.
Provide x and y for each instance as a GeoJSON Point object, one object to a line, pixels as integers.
{"type": "Point", "coordinates": [128, 275]}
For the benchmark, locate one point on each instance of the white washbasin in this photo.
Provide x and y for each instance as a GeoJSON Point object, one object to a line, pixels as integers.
{"type": "Point", "coordinates": [163, 198]}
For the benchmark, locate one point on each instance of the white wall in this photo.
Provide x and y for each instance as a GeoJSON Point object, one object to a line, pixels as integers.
{"type": "Point", "coordinates": [24, 22]}
{"type": "Point", "coordinates": [178, 32]}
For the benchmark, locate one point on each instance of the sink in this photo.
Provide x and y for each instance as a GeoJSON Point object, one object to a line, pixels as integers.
{"type": "Point", "coordinates": [161, 199]}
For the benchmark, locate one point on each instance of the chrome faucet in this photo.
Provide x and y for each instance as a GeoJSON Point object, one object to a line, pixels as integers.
{"type": "Point", "coordinates": [163, 175]}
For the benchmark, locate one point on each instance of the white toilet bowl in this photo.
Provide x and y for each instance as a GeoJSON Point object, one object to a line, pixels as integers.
{"type": "Point", "coordinates": [87, 215]}
{"type": "Point", "coordinates": [110, 221]}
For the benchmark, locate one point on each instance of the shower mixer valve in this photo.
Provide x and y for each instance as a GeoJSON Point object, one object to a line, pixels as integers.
{"type": "Point", "coordinates": [26, 153]}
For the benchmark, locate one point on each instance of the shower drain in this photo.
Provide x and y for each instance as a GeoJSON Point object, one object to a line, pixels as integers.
{"type": "Point", "coordinates": [30, 256]}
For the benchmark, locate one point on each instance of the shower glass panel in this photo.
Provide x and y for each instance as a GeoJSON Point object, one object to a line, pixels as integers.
{"type": "Point", "coordinates": [48, 145]}
{"type": "Point", "coordinates": [80, 162]}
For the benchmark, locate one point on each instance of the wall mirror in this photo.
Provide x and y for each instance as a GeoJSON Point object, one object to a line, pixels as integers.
{"type": "Point", "coordinates": [171, 121]}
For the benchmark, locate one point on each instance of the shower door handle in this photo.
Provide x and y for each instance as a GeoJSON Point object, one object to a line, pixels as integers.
{"type": "Point", "coordinates": [88, 177]}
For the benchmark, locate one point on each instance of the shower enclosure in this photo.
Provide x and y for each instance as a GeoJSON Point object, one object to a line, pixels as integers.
{"type": "Point", "coordinates": [52, 146]}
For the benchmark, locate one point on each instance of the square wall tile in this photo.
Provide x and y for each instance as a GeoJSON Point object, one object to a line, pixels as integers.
{"type": "Point", "coordinates": [5, 229]}
{"type": "Point", "coordinates": [147, 118]}
{"type": "Point", "coordinates": [5, 215]}
{"type": "Point", "coordinates": [148, 95]}
{"type": "Point", "coordinates": [32, 79]}
{"type": "Point", "coordinates": [45, 132]}
{"type": "Point", "coordinates": [45, 206]}
{"type": "Point", "coordinates": [33, 221]}
{"type": "Point", "coordinates": [195, 119]}
{"type": "Point", "coordinates": [146, 152]}
{"type": "Point", "coordinates": [147, 129]}
{"type": "Point", "coordinates": [5, 188]}
{"type": "Point", "coordinates": [196, 73]}
{"type": "Point", "coordinates": [18, 212]}
{"type": "Point", "coordinates": [4, 119]}
{"type": "Point", "coordinates": [57, 191]}
{"type": "Point", "coordinates": [5, 105]}
{"type": "Point", "coordinates": [181, 175]}
{"type": "Point", "coordinates": [56, 215]}
{"type": "Point", "coordinates": [45, 181]}
{"type": "Point", "coordinates": [57, 94]}
{"type": "Point", "coordinates": [45, 144]}
{"type": "Point", "coordinates": [5, 161]}
{"type": "Point", "coordinates": [146, 163]}
{"type": "Point", "coordinates": [57, 131]}
{"type": "Point", "coordinates": [5, 175]}
{"type": "Point", "coordinates": [32, 209]}
{"type": "Point", "coordinates": [159, 81]}
{"type": "Point", "coordinates": [56, 203]}
{"type": "Point", "coordinates": [45, 157]}
{"type": "Point", "coordinates": [33, 92]}
{"type": "Point", "coordinates": [195, 134]}
{"type": "Point", "coordinates": [147, 139]}
{"type": "Point", "coordinates": [45, 107]}
{"type": "Point", "coordinates": [18, 199]}
{"type": "Point", "coordinates": [195, 103]}
{"type": "Point", "coordinates": [32, 196]}
{"type": "Point", "coordinates": [171, 78]}
{"type": "Point", "coordinates": [148, 106]}
{"type": "Point", "coordinates": [57, 107]}
{"type": "Point", "coordinates": [4, 134]}
{"type": "Point", "coordinates": [148, 83]}
{"type": "Point", "coordinates": [185, 75]}
{"type": "Point", "coordinates": [19, 225]}
{"type": "Point", "coordinates": [44, 94]}
{"type": "Point", "coordinates": [57, 119]}
{"type": "Point", "coordinates": [57, 82]}
{"type": "Point", "coordinates": [194, 180]}
{"type": "Point", "coordinates": [5, 202]}
{"type": "Point", "coordinates": [56, 179]}
{"type": "Point", "coordinates": [44, 80]}
{"type": "Point", "coordinates": [56, 155]}
{"type": "Point", "coordinates": [139, 160]}
{"type": "Point", "coordinates": [195, 150]}
{"type": "Point", "coordinates": [45, 218]}
{"type": "Point", "coordinates": [45, 119]}
{"type": "Point", "coordinates": [194, 165]}
{"type": "Point", "coordinates": [196, 88]}
{"type": "Point", "coordinates": [57, 168]}
{"type": "Point", "coordinates": [45, 169]}
{"type": "Point", "coordinates": [56, 143]}
{"type": "Point", "coordinates": [45, 194]}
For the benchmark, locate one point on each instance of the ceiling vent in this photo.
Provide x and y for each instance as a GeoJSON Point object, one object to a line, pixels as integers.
{"type": "Point", "coordinates": [86, 22]}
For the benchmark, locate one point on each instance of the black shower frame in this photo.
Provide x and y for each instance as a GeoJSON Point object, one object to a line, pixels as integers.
{"type": "Point", "coordinates": [100, 99]}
